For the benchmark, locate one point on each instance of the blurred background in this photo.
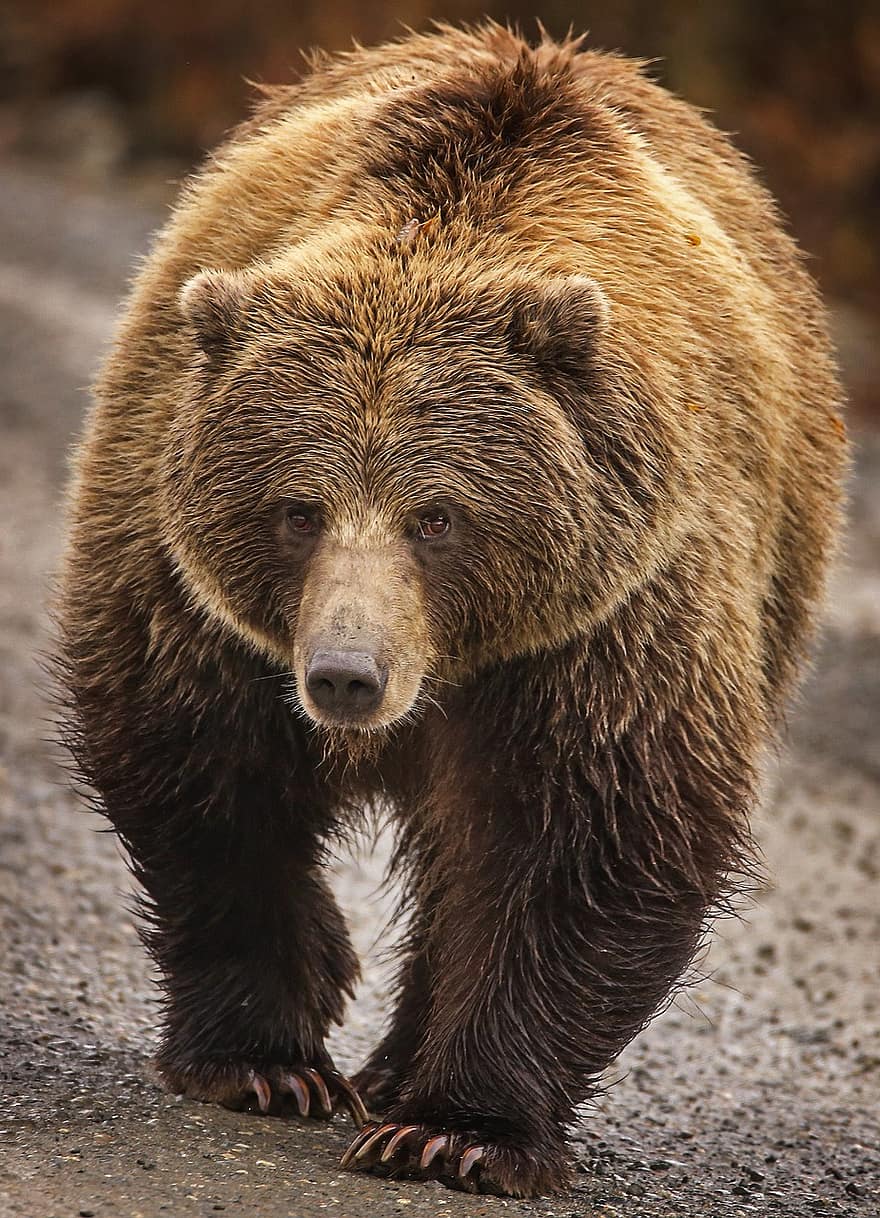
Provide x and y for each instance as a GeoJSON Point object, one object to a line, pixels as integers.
{"type": "Point", "coordinates": [112, 86]}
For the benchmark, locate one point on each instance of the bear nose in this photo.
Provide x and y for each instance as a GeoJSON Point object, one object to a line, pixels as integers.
{"type": "Point", "coordinates": [344, 681]}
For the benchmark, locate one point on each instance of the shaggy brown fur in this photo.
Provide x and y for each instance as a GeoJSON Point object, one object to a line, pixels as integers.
{"type": "Point", "coordinates": [493, 366]}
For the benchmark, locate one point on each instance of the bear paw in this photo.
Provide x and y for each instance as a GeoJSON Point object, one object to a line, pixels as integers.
{"type": "Point", "coordinates": [459, 1160]}
{"type": "Point", "coordinates": [306, 1091]}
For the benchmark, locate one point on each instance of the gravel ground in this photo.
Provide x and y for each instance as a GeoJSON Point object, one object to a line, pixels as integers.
{"type": "Point", "coordinates": [757, 1092]}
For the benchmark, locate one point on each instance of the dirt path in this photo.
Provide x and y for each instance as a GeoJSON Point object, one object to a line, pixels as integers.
{"type": "Point", "coordinates": [756, 1093]}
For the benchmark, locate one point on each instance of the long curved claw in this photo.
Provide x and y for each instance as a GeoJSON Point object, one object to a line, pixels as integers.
{"type": "Point", "coordinates": [432, 1149]}
{"type": "Point", "coordinates": [294, 1085]}
{"type": "Point", "coordinates": [321, 1089]}
{"type": "Point", "coordinates": [350, 1098]}
{"type": "Point", "coordinates": [469, 1159]}
{"type": "Point", "coordinates": [394, 1142]}
{"type": "Point", "coordinates": [367, 1132]}
{"type": "Point", "coordinates": [261, 1090]}
{"type": "Point", "coordinates": [373, 1139]}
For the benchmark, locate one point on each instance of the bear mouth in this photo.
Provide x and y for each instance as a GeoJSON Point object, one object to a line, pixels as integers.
{"type": "Point", "coordinates": [364, 724]}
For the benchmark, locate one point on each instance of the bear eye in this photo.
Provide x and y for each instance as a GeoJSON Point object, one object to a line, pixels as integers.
{"type": "Point", "coordinates": [434, 524]}
{"type": "Point", "coordinates": [300, 519]}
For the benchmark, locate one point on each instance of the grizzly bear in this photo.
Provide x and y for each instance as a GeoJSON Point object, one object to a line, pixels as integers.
{"type": "Point", "coordinates": [469, 448]}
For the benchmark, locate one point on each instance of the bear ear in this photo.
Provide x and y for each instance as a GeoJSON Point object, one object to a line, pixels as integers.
{"type": "Point", "coordinates": [560, 322]}
{"type": "Point", "coordinates": [213, 302]}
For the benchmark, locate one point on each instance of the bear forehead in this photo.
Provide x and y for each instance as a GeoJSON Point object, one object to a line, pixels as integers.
{"type": "Point", "coordinates": [369, 387]}
{"type": "Point", "coordinates": [331, 378]}
{"type": "Point", "coordinates": [380, 316]}
{"type": "Point", "coordinates": [403, 430]}
{"type": "Point", "coordinates": [400, 422]}
{"type": "Point", "coordinates": [393, 375]}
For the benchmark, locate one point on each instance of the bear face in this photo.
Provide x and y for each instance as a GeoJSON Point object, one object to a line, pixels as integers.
{"type": "Point", "coordinates": [315, 500]}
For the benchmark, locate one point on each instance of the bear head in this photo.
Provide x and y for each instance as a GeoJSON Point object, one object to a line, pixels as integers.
{"type": "Point", "coordinates": [387, 472]}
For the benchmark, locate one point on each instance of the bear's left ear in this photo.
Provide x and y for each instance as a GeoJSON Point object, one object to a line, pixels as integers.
{"type": "Point", "coordinates": [560, 322]}
{"type": "Point", "coordinates": [213, 303]}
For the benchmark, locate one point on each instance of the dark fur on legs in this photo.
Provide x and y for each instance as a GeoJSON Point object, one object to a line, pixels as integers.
{"type": "Point", "coordinates": [577, 892]}
{"type": "Point", "coordinates": [254, 955]}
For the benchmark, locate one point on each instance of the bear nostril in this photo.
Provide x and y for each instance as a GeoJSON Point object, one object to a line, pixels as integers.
{"type": "Point", "coordinates": [343, 682]}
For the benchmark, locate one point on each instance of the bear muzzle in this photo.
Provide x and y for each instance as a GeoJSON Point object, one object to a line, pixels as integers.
{"type": "Point", "coordinates": [361, 650]}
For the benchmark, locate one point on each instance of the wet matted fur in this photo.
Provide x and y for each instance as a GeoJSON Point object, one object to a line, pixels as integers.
{"type": "Point", "coordinates": [525, 294]}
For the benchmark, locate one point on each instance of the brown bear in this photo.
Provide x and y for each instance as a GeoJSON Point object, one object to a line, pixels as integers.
{"type": "Point", "coordinates": [473, 393]}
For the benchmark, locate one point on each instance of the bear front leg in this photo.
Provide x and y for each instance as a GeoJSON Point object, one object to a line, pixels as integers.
{"type": "Point", "coordinates": [254, 970]}
{"type": "Point", "coordinates": [211, 789]}
{"type": "Point", "coordinates": [576, 899]}
{"type": "Point", "coordinates": [479, 1104]}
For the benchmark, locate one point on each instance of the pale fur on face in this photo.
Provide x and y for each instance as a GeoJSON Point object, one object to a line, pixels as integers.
{"type": "Point", "coordinates": [361, 593]}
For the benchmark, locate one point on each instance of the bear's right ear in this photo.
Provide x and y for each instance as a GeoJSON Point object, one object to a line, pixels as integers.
{"type": "Point", "coordinates": [213, 302]}
{"type": "Point", "coordinates": [559, 322]}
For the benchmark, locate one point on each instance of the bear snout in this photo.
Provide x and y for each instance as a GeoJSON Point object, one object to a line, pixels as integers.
{"type": "Point", "coordinates": [345, 683]}
{"type": "Point", "coordinates": [360, 642]}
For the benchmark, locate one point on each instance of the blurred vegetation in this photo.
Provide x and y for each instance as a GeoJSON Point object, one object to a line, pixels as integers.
{"type": "Point", "coordinates": [797, 80]}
